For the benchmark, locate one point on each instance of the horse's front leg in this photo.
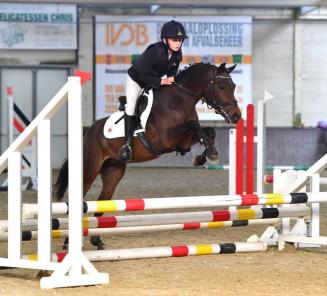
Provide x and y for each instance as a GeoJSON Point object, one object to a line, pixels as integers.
{"type": "Point", "coordinates": [206, 137]}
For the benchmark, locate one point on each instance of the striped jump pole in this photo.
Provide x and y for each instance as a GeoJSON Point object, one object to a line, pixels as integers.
{"type": "Point", "coordinates": [19, 121]}
{"type": "Point", "coordinates": [28, 235]}
{"type": "Point", "coordinates": [160, 252]}
{"type": "Point", "coordinates": [103, 206]}
{"type": "Point", "coordinates": [111, 222]}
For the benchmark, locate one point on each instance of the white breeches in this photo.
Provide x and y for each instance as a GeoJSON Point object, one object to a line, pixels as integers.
{"type": "Point", "coordinates": [133, 90]}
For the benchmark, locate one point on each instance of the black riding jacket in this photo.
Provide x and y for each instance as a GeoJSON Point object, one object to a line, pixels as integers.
{"type": "Point", "coordinates": [152, 64]}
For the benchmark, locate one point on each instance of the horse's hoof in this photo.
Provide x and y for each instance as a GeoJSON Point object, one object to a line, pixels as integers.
{"type": "Point", "coordinates": [213, 159]}
{"type": "Point", "coordinates": [101, 246]}
{"type": "Point", "coordinates": [43, 273]}
{"type": "Point", "coordinates": [199, 160]}
{"type": "Point", "coordinates": [97, 242]}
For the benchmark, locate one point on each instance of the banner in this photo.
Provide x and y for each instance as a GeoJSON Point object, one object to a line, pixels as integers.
{"type": "Point", "coordinates": [38, 26]}
{"type": "Point", "coordinates": [212, 39]}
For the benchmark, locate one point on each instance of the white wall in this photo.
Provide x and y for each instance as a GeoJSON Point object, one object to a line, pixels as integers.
{"type": "Point", "coordinates": [273, 68]}
{"type": "Point", "coordinates": [313, 93]}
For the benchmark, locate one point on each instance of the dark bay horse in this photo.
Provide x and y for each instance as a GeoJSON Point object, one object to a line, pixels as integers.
{"type": "Point", "coordinates": [172, 125]}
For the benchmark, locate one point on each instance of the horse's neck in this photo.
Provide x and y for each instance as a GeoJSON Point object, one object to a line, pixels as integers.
{"type": "Point", "coordinates": [193, 88]}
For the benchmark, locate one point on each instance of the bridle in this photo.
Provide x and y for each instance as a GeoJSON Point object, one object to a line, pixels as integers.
{"type": "Point", "coordinates": [219, 109]}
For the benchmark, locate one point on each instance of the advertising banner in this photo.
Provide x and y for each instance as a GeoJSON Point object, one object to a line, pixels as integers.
{"type": "Point", "coordinates": [38, 26]}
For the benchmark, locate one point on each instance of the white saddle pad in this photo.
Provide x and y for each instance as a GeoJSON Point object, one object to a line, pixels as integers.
{"type": "Point", "coordinates": [115, 126]}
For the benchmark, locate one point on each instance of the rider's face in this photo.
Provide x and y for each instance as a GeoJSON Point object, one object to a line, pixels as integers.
{"type": "Point", "coordinates": [174, 44]}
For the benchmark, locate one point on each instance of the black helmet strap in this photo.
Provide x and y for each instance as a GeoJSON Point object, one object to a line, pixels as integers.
{"type": "Point", "coordinates": [167, 44]}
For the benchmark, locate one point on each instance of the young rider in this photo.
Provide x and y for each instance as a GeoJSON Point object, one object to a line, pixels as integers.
{"type": "Point", "coordinates": [158, 60]}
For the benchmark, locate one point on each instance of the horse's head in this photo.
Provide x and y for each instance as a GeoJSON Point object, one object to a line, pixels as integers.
{"type": "Point", "coordinates": [219, 94]}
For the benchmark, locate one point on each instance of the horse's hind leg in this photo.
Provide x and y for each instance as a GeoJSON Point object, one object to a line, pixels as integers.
{"type": "Point", "coordinates": [111, 174]}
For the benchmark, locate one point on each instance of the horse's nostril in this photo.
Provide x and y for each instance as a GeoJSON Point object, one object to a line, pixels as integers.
{"type": "Point", "coordinates": [235, 117]}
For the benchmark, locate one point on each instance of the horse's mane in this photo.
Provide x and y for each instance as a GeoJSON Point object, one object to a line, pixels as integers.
{"type": "Point", "coordinates": [182, 74]}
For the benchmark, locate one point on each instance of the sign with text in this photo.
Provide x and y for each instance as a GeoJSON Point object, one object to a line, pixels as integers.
{"type": "Point", "coordinates": [219, 39]}
{"type": "Point", "coordinates": [38, 26]}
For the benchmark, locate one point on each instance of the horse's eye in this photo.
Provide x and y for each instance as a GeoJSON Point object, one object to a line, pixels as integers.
{"type": "Point", "coordinates": [221, 86]}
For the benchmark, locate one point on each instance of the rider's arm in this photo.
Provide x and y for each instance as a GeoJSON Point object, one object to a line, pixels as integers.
{"type": "Point", "coordinates": [145, 64]}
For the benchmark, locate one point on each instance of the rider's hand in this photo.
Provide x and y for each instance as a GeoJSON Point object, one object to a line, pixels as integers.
{"type": "Point", "coordinates": [171, 79]}
{"type": "Point", "coordinates": [166, 81]}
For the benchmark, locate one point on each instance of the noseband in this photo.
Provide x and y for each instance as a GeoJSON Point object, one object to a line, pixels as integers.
{"type": "Point", "coordinates": [219, 109]}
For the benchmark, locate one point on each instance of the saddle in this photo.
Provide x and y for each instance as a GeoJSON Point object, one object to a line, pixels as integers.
{"type": "Point", "coordinates": [141, 103]}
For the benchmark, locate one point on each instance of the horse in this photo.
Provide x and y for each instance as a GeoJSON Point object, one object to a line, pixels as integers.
{"type": "Point", "coordinates": [172, 125]}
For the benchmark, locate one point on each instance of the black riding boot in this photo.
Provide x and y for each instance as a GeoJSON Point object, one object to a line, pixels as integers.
{"type": "Point", "coordinates": [125, 152]}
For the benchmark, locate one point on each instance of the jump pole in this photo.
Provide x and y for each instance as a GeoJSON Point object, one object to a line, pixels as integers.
{"type": "Point", "coordinates": [104, 206]}
{"type": "Point", "coordinates": [28, 235]}
{"type": "Point", "coordinates": [160, 252]}
{"type": "Point", "coordinates": [102, 223]}
{"type": "Point", "coordinates": [18, 120]}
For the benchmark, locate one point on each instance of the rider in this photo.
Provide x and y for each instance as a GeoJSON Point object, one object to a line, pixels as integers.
{"type": "Point", "coordinates": [156, 66]}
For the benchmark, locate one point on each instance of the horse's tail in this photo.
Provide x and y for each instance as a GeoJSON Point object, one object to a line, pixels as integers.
{"type": "Point", "coordinates": [61, 185]}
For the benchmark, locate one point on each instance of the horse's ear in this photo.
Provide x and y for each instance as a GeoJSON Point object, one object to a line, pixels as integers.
{"type": "Point", "coordinates": [222, 66]}
{"type": "Point", "coordinates": [230, 69]}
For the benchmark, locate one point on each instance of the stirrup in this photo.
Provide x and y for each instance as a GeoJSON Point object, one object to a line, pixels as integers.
{"type": "Point", "coordinates": [125, 153]}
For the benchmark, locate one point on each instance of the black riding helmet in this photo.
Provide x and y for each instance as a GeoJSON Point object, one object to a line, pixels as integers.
{"type": "Point", "coordinates": [173, 30]}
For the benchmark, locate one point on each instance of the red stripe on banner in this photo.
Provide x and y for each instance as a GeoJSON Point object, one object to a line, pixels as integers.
{"type": "Point", "coordinates": [179, 251]}
{"type": "Point", "coordinates": [191, 226]}
{"type": "Point", "coordinates": [107, 222]}
{"type": "Point", "coordinates": [135, 204]}
{"type": "Point", "coordinates": [239, 156]}
{"type": "Point", "coordinates": [18, 126]}
{"type": "Point", "coordinates": [9, 90]}
{"type": "Point", "coordinates": [249, 199]}
{"type": "Point", "coordinates": [85, 231]}
{"type": "Point", "coordinates": [249, 149]}
{"type": "Point", "coordinates": [61, 256]}
{"type": "Point", "coordinates": [221, 215]}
